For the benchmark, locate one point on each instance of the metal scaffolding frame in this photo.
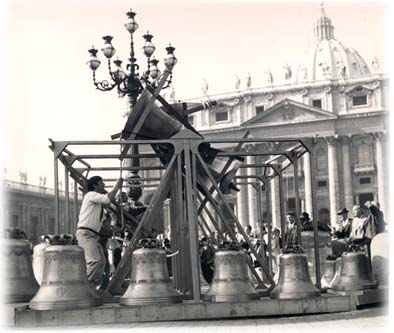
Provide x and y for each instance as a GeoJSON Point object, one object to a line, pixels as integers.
{"type": "Point", "coordinates": [188, 196]}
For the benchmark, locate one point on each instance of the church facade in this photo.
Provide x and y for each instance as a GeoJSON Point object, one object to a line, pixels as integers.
{"type": "Point", "coordinates": [332, 96]}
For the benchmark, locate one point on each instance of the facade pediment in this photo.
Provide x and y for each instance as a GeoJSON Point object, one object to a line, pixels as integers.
{"type": "Point", "coordinates": [289, 112]}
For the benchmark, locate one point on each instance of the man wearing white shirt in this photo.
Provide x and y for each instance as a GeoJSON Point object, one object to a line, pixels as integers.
{"type": "Point", "coordinates": [89, 225]}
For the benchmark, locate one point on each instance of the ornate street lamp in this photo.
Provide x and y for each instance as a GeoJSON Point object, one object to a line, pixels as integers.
{"type": "Point", "coordinates": [129, 82]}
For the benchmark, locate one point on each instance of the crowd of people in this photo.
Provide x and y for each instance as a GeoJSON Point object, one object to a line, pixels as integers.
{"type": "Point", "coordinates": [367, 222]}
{"type": "Point", "coordinates": [104, 243]}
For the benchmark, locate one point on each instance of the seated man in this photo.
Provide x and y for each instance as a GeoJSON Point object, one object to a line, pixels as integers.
{"type": "Point", "coordinates": [341, 233]}
{"type": "Point", "coordinates": [362, 230]}
{"type": "Point", "coordinates": [362, 227]}
{"type": "Point", "coordinates": [343, 228]}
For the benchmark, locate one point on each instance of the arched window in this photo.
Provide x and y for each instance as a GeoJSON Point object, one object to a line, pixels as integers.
{"type": "Point", "coordinates": [363, 152]}
{"type": "Point", "coordinates": [321, 159]}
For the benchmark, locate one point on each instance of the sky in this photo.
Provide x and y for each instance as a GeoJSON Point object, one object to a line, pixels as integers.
{"type": "Point", "coordinates": [47, 88]}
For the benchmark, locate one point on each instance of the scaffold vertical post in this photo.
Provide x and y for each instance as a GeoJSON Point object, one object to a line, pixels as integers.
{"type": "Point", "coordinates": [294, 161]}
{"type": "Point", "coordinates": [192, 220]}
{"type": "Point", "coordinates": [315, 222]}
{"type": "Point", "coordinates": [56, 188]}
{"type": "Point", "coordinates": [76, 204]}
{"type": "Point", "coordinates": [67, 220]}
{"type": "Point", "coordinates": [267, 188]}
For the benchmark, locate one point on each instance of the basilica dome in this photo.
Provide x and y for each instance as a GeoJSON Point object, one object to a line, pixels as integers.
{"type": "Point", "coordinates": [327, 58]}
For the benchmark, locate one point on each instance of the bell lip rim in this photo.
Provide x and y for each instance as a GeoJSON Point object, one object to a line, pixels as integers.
{"type": "Point", "coordinates": [146, 281]}
{"type": "Point", "coordinates": [56, 305]}
{"type": "Point", "coordinates": [293, 254]}
{"type": "Point", "coordinates": [136, 301]}
{"type": "Point", "coordinates": [305, 295]}
{"type": "Point", "coordinates": [70, 247]}
{"type": "Point", "coordinates": [231, 298]}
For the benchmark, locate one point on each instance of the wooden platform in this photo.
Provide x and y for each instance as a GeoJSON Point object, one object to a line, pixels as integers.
{"type": "Point", "coordinates": [114, 313]}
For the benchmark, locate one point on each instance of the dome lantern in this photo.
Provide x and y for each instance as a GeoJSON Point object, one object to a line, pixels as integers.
{"type": "Point", "coordinates": [324, 28]}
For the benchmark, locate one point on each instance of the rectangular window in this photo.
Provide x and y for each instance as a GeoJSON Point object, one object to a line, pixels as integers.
{"type": "Point", "coordinates": [322, 183]}
{"type": "Point", "coordinates": [316, 103]}
{"type": "Point", "coordinates": [365, 180]}
{"type": "Point", "coordinates": [360, 100]}
{"type": "Point", "coordinates": [221, 116]}
{"type": "Point", "coordinates": [259, 109]}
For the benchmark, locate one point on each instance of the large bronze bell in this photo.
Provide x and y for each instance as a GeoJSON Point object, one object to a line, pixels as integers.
{"type": "Point", "coordinates": [231, 280]}
{"type": "Point", "coordinates": [39, 257]}
{"type": "Point", "coordinates": [338, 267]}
{"type": "Point", "coordinates": [149, 282]}
{"type": "Point", "coordinates": [161, 125]}
{"type": "Point", "coordinates": [329, 272]}
{"type": "Point", "coordinates": [294, 279]}
{"type": "Point", "coordinates": [157, 125]}
{"type": "Point", "coordinates": [64, 283]}
{"type": "Point", "coordinates": [355, 271]}
{"type": "Point", "coordinates": [20, 283]}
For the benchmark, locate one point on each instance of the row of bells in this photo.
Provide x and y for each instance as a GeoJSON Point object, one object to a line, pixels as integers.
{"type": "Point", "coordinates": [64, 283]}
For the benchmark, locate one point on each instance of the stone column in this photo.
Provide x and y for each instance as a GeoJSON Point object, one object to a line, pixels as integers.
{"type": "Point", "coordinates": [308, 184]}
{"type": "Point", "coordinates": [252, 208]}
{"type": "Point", "coordinates": [333, 181]}
{"type": "Point", "coordinates": [348, 200]}
{"type": "Point", "coordinates": [380, 169]}
{"type": "Point", "coordinates": [242, 201]}
{"type": "Point", "coordinates": [275, 202]}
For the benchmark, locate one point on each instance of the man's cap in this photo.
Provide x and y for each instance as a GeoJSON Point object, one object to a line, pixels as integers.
{"type": "Point", "coordinates": [342, 211]}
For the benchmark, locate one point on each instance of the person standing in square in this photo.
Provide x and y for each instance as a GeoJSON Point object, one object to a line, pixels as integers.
{"type": "Point", "coordinates": [89, 225]}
